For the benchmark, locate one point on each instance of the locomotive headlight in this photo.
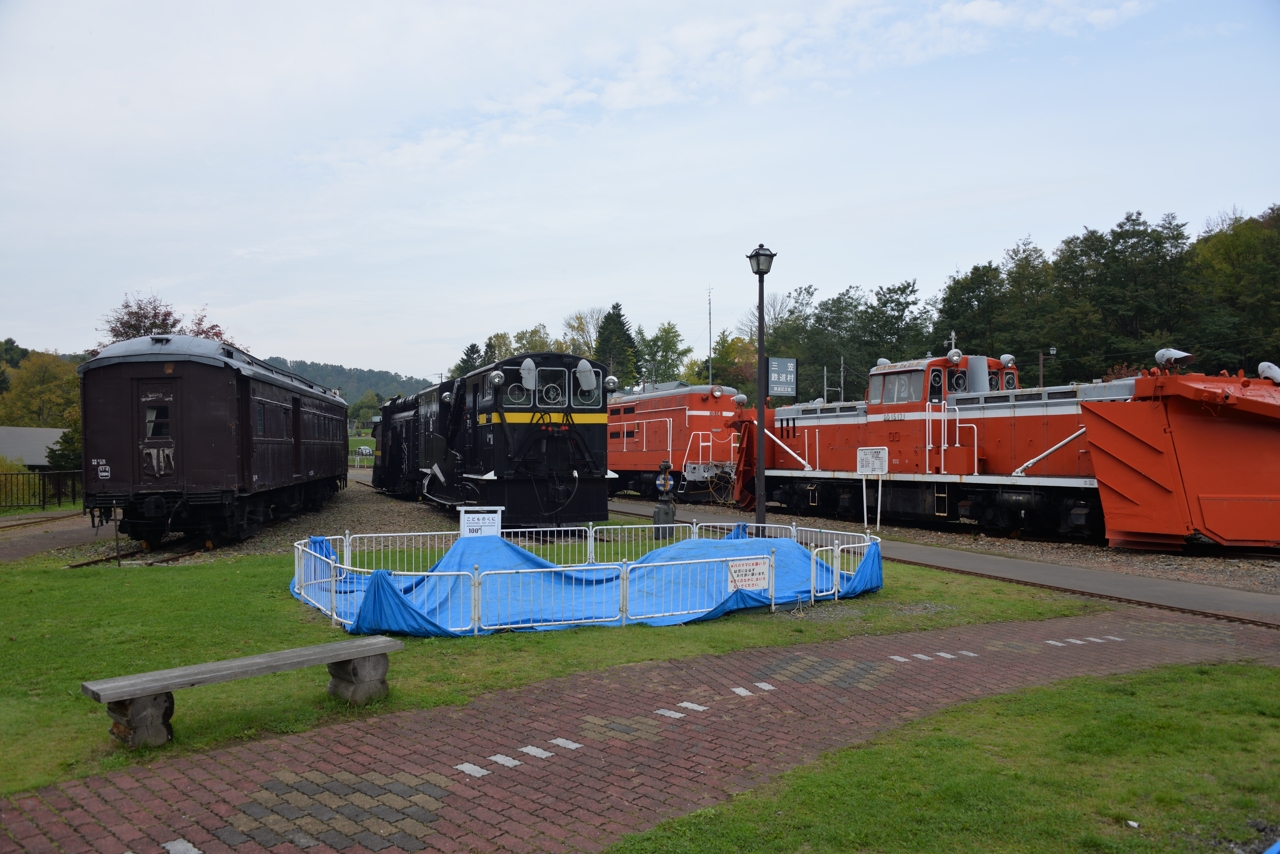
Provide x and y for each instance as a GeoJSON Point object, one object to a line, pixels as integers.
{"type": "Point", "coordinates": [610, 383]}
{"type": "Point", "coordinates": [1006, 360]}
{"type": "Point", "coordinates": [495, 379]}
{"type": "Point", "coordinates": [954, 356]}
{"type": "Point", "coordinates": [717, 391]}
{"type": "Point", "coordinates": [447, 397]}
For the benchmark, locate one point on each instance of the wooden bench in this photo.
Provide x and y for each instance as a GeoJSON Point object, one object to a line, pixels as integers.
{"type": "Point", "coordinates": [142, 704]}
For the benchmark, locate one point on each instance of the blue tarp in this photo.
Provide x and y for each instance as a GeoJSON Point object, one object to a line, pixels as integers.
{"type": "Point", "coordinates": [661, 582]}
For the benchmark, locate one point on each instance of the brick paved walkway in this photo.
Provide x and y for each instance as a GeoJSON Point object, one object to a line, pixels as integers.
{"type": "Point", "coordinates": [574, 763]}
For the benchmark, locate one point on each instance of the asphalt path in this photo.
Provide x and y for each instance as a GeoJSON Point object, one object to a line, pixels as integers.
{"type": "Point", "coordinates": [1117, 585]}
{"type": "Point", "coordinates": [53, 531]}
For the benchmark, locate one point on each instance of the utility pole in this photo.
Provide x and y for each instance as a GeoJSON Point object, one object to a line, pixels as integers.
{"type": "Point", "coordinates": [710, 345]}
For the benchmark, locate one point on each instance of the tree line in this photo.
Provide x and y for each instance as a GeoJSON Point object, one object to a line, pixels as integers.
{"type": "Point", "coordinates": [1097, 307]}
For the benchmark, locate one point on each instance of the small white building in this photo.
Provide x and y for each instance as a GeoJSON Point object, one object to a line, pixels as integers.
{"type": "Point", "coordinates": [28, 445]}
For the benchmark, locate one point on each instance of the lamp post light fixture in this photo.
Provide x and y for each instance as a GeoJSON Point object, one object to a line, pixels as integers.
{"type": "Point", "coordinates": [761, 261]}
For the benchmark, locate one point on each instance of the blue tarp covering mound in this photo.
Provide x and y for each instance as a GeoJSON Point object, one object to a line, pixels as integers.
{"type": "Point", "coordinates": [666, 587]}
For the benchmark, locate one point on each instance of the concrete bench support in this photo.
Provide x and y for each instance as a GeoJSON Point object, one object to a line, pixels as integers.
{"type": "Point", "coordinates": [141, 705]}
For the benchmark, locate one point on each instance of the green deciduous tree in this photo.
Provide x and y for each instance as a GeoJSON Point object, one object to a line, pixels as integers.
{"type": "Point", "coordinates": [44, 391]}
{"type": "Point", "coordinates": [660, 357]}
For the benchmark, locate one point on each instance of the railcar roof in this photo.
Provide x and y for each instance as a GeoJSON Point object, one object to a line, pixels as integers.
{"type": "Point", "coordinates": [672, 390]}
{"type": "Point", "coordinates": [186, 348]}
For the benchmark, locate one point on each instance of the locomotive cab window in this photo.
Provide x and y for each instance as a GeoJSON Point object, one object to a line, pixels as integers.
{"type": "Point", "coordinates": [514, 394]}
{"type": "Point", "coordinates": [584, 398]}
{"type": "Point", "coordinates": [897, 388]}
{"type": "Point", "coordinates": [957, 380]}
{"type": "Point", "coordinates": [1010, 380]}
{"type": "Point", "coordinates": [993, 380]}
{"type": "Point", "coordinates": [553, 387]}
{"type": "Point", "coordinates": [157, 421]}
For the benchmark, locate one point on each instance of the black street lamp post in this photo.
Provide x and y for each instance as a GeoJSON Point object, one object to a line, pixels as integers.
{"type": "Point", "coordinates": [761, 260]}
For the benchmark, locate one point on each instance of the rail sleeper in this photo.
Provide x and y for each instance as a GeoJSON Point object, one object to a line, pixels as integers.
{"type": "Point", "coordinates": [141, 705]}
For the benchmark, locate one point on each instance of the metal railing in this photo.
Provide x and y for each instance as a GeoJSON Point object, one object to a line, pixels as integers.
{"type": "Point", "coordinates": [595, 577]}
{"type": "Point", "coordinates": [39, 488]}
{"type": "Point", "coordinates": [624, 543]}
{"type": "Point", "coordinates": [529, 598]}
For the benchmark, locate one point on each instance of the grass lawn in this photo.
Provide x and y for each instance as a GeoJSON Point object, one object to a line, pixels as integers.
{"type": "Point", "coordinates": [361, 442]}
{"type": "Point", "coordinates": [1188, 753]}
{"type": "Point", "coordinates": [60, 627]}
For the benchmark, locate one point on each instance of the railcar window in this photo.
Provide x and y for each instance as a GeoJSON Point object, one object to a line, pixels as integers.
{"type": "Point", "coordinates": [288, 428]}
{"type": "Point", "coordinates": [615, 434]}
{"type": "Point", "coordinates": [583, 399]}
{"type": "Point", "coordinates": [615, 411]}
{"type": "Point", "coordinates": [553, 387]}
{"type": "Point", "coordinates": [157, 421]}
{"type": "Point", "coordinates": [262, 419]}
{"type": "Point", "coordinates": [628, 410]}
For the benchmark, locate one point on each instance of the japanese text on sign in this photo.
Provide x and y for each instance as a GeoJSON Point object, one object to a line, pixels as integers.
{"type": "Point", "coordinates": [480, 521]}
{"type": "Point", "coordinates": [782, 376]}
{"type": "Point", "coordinates": [749, 574]}
{"type": "Point", "coordinates": [873, 461]}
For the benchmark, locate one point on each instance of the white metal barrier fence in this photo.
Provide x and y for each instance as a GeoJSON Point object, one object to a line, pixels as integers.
{"type": "Point", "coordinates": [598, 579]}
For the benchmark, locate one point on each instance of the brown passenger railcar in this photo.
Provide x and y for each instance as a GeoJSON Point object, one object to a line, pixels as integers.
{"type": "Point", "coordinates": [189, 435]}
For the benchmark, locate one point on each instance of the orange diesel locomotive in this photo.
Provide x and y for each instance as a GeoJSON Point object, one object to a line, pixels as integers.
{"type": "Point", "coordinates": [689, 426]}
{"type": "Point", "coordinates": [1154, 461]}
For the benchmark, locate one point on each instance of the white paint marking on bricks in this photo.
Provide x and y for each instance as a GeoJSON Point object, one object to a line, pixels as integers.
{"type": "Point", "coordinates": [503, 759]}
{"type": "Point", "coordinates": [970, 654]}
{"type": "Point", "coordinates": [1073, 640]}
{"type": "Point", "coordinates": [1095, 640]}
{"type": "Point", "coordinates": [1113, 637]}
{"type": "Point", "coordinates": [764, 686]}
{"type": "Point", "coordinates": [180, 846]}
{"type": "Point", "coordinates": [566, 743]}
{"type": "Point", "coordinates": [668, 713]}
{"type": "Point", "coordinates": [693, 706]}
{"type": "Point", "coordinates": [900, 658]}
{"type": "Point", "coordinates": [536, 751]}
{"type": "Point", "coordinates": [473, 770]}
{"type": "Point", "coordinates": [742, 692]}
{"type": "Point", "coordinates": [921, 657]}
{"type": "Point", "coordinates": [944, 655]}
{"type": "Point", "coordinates": [1055, 643]}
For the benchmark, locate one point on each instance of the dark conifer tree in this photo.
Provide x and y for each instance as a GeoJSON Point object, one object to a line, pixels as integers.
{"type": "Point", "coordinates": [616, 346]}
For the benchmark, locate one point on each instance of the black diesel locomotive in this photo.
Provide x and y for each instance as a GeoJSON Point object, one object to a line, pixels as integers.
{"type": "Point", "coordinates": [189, 435]}
{"type": "Point", "coordinates": [526, 433]}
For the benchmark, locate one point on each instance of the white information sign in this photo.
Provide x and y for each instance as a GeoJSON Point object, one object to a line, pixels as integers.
{"type": "Point", "coordinates": [873, 461]}
{"type": "Point", "coordinates": [480, 521]}
{"type": "Point", "coordinates": [749, 573]}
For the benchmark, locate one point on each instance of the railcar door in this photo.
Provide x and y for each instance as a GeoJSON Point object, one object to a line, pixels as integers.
{"type": "Point", "coordinates": [158, 425]}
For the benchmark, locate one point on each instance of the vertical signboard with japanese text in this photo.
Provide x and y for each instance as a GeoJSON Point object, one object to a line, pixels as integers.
{"type": "Point", "coordinates": [782, 377]}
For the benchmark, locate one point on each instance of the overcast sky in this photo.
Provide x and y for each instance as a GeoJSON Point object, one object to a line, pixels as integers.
{"type": "Point", "coordinates": [379, 184]}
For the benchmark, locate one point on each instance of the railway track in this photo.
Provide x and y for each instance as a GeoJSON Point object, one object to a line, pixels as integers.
{"type": "Point", "coordinates": [1214, 615]}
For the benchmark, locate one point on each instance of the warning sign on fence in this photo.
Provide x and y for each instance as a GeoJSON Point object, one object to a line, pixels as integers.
{"type": "Point", "coordinates": [749, 573]}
